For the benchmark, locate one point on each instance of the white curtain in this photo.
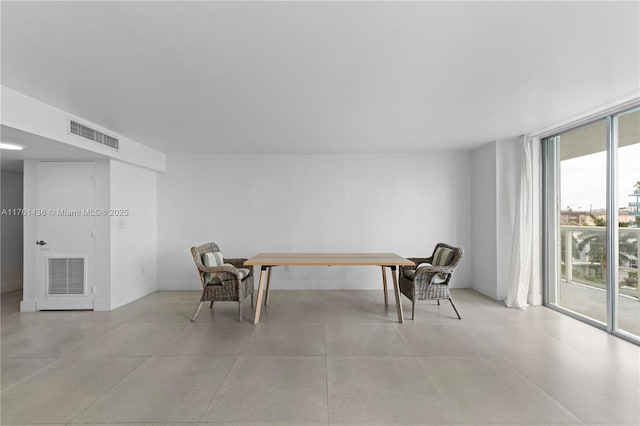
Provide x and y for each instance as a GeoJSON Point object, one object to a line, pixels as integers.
{"type": "Point", "coordinates": [524, 274]}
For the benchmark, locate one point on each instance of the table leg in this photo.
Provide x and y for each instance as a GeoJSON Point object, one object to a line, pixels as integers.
{"type": "Point", "coordinates": [266, 297]}
{"type": "Point", "coordinates": [264, 272]}
{"type": "Point", "coordinates": [396, 290]}
{"type": "Point", "coordinates": [384, 286]}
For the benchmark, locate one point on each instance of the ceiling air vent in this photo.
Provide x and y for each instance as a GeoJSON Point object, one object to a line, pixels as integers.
{"type": "Point", "coordinates": [89, 133]}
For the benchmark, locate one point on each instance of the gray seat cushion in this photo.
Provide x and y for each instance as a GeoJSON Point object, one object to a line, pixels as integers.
{"type": "Point", "coordinates": [411, 273]}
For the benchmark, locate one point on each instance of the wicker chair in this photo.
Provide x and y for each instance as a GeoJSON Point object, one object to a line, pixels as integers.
{"type": "Point", "coordinates": [228, 282]}
{"type": "Point", "coordinates": [430, 278]}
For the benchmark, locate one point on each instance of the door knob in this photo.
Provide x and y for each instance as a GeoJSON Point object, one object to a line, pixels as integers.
{"type": "Point", "coordinates": [41, 243]}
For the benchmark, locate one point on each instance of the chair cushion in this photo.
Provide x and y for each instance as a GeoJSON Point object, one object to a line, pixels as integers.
{"type": "Point", "coordinates": [443, 256]}
{"type": "Point", "coordinates": [212, 258]}
{"type": "Point", "coordinates": [244, 273]}
{"type": "Point", "coordinates": [214, 279]}
{"type": "Point", "coordinates": [437, 279]}
{"type": "Point", "coordinates": [409, 273]}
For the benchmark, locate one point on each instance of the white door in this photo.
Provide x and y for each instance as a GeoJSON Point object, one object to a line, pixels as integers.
{"type": "Point", "coordinates": [65, 232]}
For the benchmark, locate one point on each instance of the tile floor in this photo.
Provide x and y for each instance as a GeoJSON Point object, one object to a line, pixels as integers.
{"type": "Point", "coordinates": [325, 358]}
{"type": "Point", "coordinates": [592, 302]}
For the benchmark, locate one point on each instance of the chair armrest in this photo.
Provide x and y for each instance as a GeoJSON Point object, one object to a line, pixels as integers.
{"type": "Point", "coordinates": [430, 269]}
{"type": "Point", "coordinates": [226, 272]}
{"type": "Point", "coordinates": [237, 262]}
{"type": "Point", "coordinates": [217, 269]}
{"type": "Point", "coordinates": [418, 260]}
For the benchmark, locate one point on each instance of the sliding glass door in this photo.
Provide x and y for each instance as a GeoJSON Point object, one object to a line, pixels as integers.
{"type": "Point", "coordinates": [628, 302]}
{"type": "Point", "coordinates": [592, 222]}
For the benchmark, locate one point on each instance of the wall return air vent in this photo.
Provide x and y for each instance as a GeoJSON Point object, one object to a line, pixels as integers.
{"type": "Point", "coordinates": [66, 275]}
{"type": "Point", "coordinates": [92, 134]}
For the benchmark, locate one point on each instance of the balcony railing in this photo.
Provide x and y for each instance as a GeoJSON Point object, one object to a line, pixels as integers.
{"type": "Point", "coordinates": [584, 257]}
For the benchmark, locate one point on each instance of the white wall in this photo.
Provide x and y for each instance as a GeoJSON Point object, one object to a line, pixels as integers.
{"type": "Point", "coordinates": [102, 268]}
{"type": "Point", "coordinates": [484, 220]}
{"type": "Point", "coordinates": [29, 234]}
{"type": "Point", "coordinates": [11, 251]}
{"type": "Point", "coordinates": [403, 203]}
{"type": "Point", "coordinates": [134, 236]}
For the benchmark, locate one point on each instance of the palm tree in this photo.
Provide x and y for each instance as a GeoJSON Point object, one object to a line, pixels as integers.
{"type": "Point", "coordinates": [595, 244]}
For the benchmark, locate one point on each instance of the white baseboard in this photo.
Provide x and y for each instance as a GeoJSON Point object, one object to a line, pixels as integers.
{"type": "Point", "coordinates": [101, 305]}
{"type": "Point", "coordinates": [293, 285]}
{"type": "Point", "coordinates": [304, 285]}
{"type": "Point", "coordinates": [116, 302]}
{"type": "Point", "coordinates": [180, 286]}
{"type": "Point", "coordinates": [485, 289]}
{"type": "Point", "coordinates": [131, 296]}
{"type": "Point", "coordinates": [28, 306]}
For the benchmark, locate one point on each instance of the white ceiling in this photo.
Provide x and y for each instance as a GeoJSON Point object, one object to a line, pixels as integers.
{"type": "Point", "coordinates": [330, 77]}
{"type": "Point", "coordinates": [38, 148]}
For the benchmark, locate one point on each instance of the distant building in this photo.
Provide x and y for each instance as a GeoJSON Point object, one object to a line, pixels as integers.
{"type": "Point", "coordinates": [577, 218]}
{"type": "Point", "coordinates": [571, 218]}
{"type": "Point", "coordinates": [634, 206]}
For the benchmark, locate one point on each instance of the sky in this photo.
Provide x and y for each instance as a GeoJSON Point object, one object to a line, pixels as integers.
{"type": "Point", "coordinates": [583, 179]}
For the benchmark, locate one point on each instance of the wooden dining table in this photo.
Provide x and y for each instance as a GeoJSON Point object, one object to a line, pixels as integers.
{"type": "Point", "coordinates": [266, 261]}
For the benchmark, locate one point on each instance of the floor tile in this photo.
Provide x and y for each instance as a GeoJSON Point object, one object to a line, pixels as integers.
{"type": "Point", "coordinates": [430, 311]}
{"type": "Point", "coordinates": [504, 340]}
{"type": "Point", "coordinates": [272, 389]}
{"type": "Point", "coordinates": [356, 295]}
{"type": "Point", "coordinates": [53, 341]}
{"type": "Point", "coordinates": [359, 311]}
{"type": "Point", "coordinates": [131, 339]}
{"type": "Point", "coordinates": [223, 312]}
{"type": "Point", "coordinates": [146, 424]}
{"type": "Point", "coordinates": [21, 323]}
{"type": "Point", "coordinates": [203, 338]}
{"type": "Point", "coordinates": [495, 366]}
{"type": "Point", "coordinates": [286, 339]}
{"type": "Point", "coordinates": [296, 297]}
{"type": "Point", "coordinates": [587, 340]}
{"type": "Point", "coordinates": [382, 390]}
{"type": "Point", "coordinates": [168, 389]}
{"type": "Point", "coordinates": [63, 389]}
{"type": "Point", "coordinates": [292, 313]}
{"type": "Point", "coordinates": [441, 339]}
{"type": "Point", "coordinates": [486, 390]}
{"type": "Point", "coordinates": [578, 382]}
{"type": "Point", "coordinates": [263, 424]}
{"type": "Point", "coordinates": [168, 312]}
{"type": "Point", "coordinates": [16, 369]}
{"type": "Point", "coordinates": [364, 339]}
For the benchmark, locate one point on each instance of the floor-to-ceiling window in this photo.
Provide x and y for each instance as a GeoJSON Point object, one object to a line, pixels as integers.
{"type": "Point", "coordinates": [628, 299]}
{"type": "Point", "coordinates": [592, 222]}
